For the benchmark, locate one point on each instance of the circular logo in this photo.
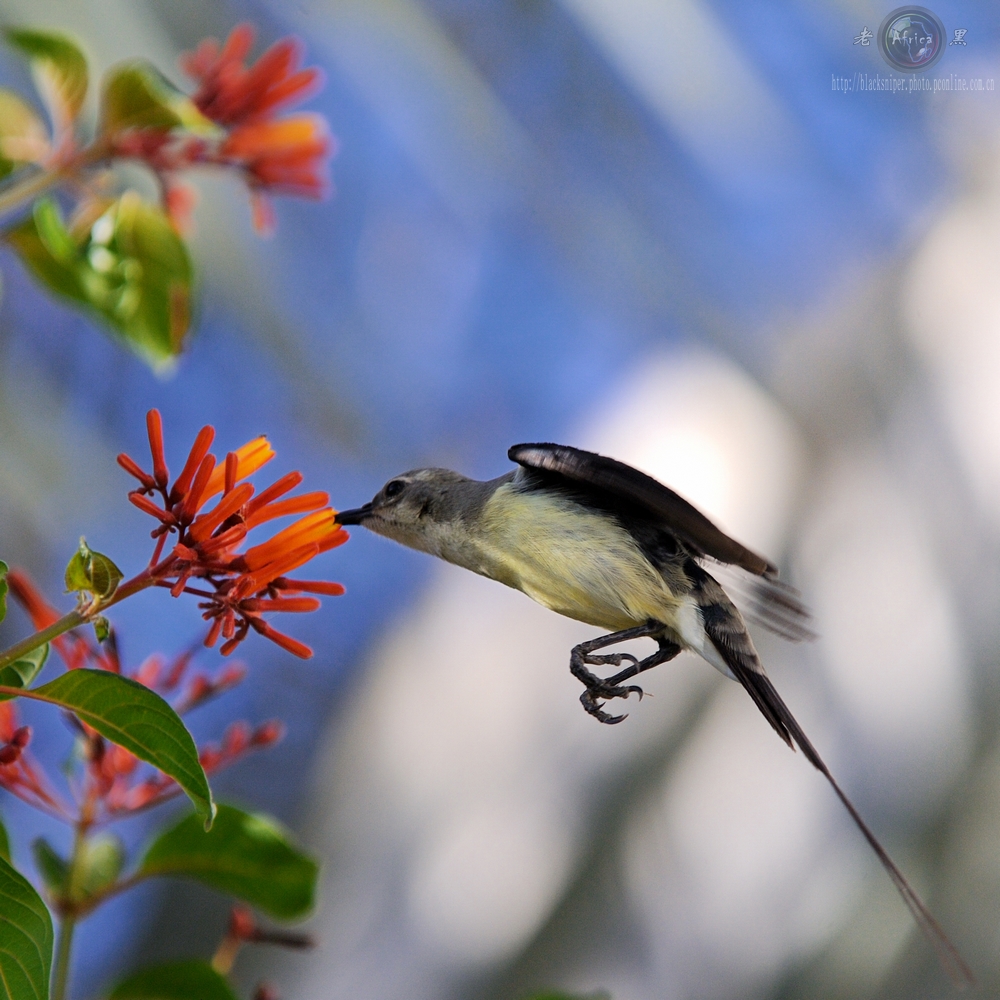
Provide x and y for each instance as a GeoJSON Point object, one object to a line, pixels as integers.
{"type": "Point", "coordinates": [911, 39]}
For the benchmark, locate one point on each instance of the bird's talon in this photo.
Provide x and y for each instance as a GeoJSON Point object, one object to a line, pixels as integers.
{"type": "Point", "coordinates": [595, 708]}
{"type": "Point", "coordinates": [597, 690]}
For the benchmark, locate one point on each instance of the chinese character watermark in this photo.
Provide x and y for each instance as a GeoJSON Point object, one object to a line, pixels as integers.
{"type": "Point", "coordinates": [866, 37]}
{"type": "Point", "coordinates": [959, 38]}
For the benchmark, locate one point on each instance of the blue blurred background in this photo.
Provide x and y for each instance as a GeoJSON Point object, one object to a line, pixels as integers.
{"type": "Point", "coordinates": [658, 228]}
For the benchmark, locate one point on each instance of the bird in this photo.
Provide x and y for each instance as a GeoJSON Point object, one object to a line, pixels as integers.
{"type": "Point", "coordinates": [601, 542]}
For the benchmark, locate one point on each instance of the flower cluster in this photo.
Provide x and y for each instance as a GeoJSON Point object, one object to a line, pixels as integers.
{"type": "Point", "coordinates": [115, 781]}
{"type": "Point", "coordinates": [275, 154]}
{"type": "Point", "coordinates": [237, 587]}
{"type": "Point", "coordinates": [117, 254]}
{"type": "Point", "coordinates": [286, 155]}
{"type": "Point", "coordinates": [18, 772]}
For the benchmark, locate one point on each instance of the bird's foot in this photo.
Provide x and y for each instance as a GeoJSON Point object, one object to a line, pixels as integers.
{"type": "Point", "coordinates": [598, 690]}
{"type": "Point", "coordinates": [589, 700]}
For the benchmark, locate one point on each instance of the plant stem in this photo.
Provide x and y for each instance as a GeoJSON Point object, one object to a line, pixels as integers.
{"type": "Point", "coordinates": [68, 917]}
{"type": "Point", "coordinates": [76, 618]}
{"type": "Point", "coordinates": [73, 620]}
{"type": "Point", "coordinates": [14, 196]}
{"type": "Point", "coordinates": [60, 975]}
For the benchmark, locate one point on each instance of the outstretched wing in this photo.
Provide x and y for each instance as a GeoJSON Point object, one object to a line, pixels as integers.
{"type": "Point", "coordinates": [634, 489]}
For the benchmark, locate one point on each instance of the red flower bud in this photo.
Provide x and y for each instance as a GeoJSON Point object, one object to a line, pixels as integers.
{"type": "Point", "coordinates": [242, 924]}
{"type": "Point", "coordinates": [268, 733]}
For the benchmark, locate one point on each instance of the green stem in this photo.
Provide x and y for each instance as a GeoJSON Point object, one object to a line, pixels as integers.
{"type": "Point", "coordinates": [68, 917]}
{"type": "Point", "coordinates": [14, 196]}
{"type": "Point", "coordinates": [73, 620]}
{"type": "Point", "coordinates": [60, 975]}
{"type": "Point", "coordinates": [122, 885]}
{"type": "Point", "coordinates": [76, 618]}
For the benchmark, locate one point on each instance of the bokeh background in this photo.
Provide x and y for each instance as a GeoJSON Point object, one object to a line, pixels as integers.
{"type": "Point", "coordinates": [657, 229]}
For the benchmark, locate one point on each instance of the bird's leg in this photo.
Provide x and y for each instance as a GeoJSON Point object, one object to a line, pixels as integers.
{"type": "Point", "coordinates": [601, 688]}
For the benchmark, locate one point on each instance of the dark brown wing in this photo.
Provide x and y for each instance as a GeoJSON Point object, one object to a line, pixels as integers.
{"type": "Point", "coordinates": [637, 490]}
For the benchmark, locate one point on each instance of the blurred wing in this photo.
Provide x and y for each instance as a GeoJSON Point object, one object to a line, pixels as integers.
{"type": "Point", "coordinates": [770, 603]}
{"type": "Point", "coordinates": [630, 488]}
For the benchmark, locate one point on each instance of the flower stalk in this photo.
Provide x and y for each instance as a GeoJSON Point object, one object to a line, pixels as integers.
{"type": "Point", "coordinates": [72, 620]}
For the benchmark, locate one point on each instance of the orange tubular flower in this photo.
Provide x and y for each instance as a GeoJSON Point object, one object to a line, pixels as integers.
{"type": "Point", "coordinates": [286, 156]}
{"type": "Point", "coordinates": [231, 93]}
{"type": "Point", "coordinates": [239, 588]}
{"type": "Point", "coordinates": [283, 155]}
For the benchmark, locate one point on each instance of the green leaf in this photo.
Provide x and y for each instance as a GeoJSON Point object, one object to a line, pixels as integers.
{"type": "Point", "coordinates": [3, 589]}
{"type": "Point", "coordinates": [22, 672]}
{"type": "Point", "coordinates": [131, 270]}
{"type": "Point", "coordinates": [129, 714]}
{"type": "Point", "coordinates": [23, 137]}
{"type": "Point", "coordinates": [249, 856]}
{"type": "Point", "coordinates": [154, 311]}
{"type": "Point", "coordinates": [93, 572]}
{"type": "Point", "coordinates": [25, 939]}
{"type": "Point", "coordinates": [4, 843]}
{"type": "Point", "coordinates": [59, 68]}
{"type": "Point", "coordinates": [192, 980]}
{"type": "Point", "coordinates": [102, 628]}
{"type": "Point", "coordinates": [47, 249]}
{"type": "Point", "coordinates": [52, 866]}
{"type": "Point", "coordinates": [137, 95]}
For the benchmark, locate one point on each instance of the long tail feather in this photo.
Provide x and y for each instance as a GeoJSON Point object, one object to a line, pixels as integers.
{"type": "Point", "coordinates": [725, 627]}
{"type": "Point", "coordinates": [760, 688]}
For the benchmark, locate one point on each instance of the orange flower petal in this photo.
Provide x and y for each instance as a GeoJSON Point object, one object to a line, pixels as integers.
{"type": "Point", "coordinates": [275, 490]}
{"type": "Point", "coordinates": [312, 529]}
{"type": "Point", "coordinates": [282, 564]}
{"type": "Point", "coordinates": [298, 604]}
{"type": "Point", "coordinates": [147, 506]}
{"type": "Point", "coordinates": [227, 540]}
{"type": "Point", "coordinates": [332, 541]}
{"type": "Point", "coordinates": [250, 458]}
{"type": "Point", "coordinates": [197, 495]}
{"type": "Point", "coordinates": [204, 525]}
{"type": "Point", "coordinates": [232, 463]}
{"type": "Point", "coordinates": [293, 646]}
{"type": "Point", "coordinates": [285, 134]}
{"type": "Point", "coordinates": [294, 505]}
{"type": "Point", "coordinates": [154, 426]}
{"type": "Point", "coordinates": [327, 587]}
{"type": "Point", "coordinates": [195, 457]}
{"type": "Point", "coordinates": [133, 470]}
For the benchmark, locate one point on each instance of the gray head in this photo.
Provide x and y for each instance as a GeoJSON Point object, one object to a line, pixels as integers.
{"type": "Point", "coordinates": [421, 508]}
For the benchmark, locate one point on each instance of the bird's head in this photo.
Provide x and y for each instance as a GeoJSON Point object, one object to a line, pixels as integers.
{"type": "Point", "coordinates": [417, 508]}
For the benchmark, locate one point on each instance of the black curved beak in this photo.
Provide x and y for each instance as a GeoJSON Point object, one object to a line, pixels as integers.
{"type": "Point", "coordinates": [356, 516]}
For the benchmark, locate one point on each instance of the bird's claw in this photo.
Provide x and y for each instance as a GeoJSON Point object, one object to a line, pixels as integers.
{"type": "Point", "coordinates": [602, 690]}
{"type": "Point", "coordinates": [598, 690]}
{"type": "Point", "coordinates": [612, 659]}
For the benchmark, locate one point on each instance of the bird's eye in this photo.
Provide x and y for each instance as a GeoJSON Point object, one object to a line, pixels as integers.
{"type": "Point", "coordinates": [394, 488]}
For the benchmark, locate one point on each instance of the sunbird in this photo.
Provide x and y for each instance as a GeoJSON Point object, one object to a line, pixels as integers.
{"type": "Point", "coordinates": [603, 543]}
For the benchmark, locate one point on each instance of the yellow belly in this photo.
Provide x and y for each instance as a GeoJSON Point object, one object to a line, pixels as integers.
{"type": "Point", "coordinates": [578, 563]}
